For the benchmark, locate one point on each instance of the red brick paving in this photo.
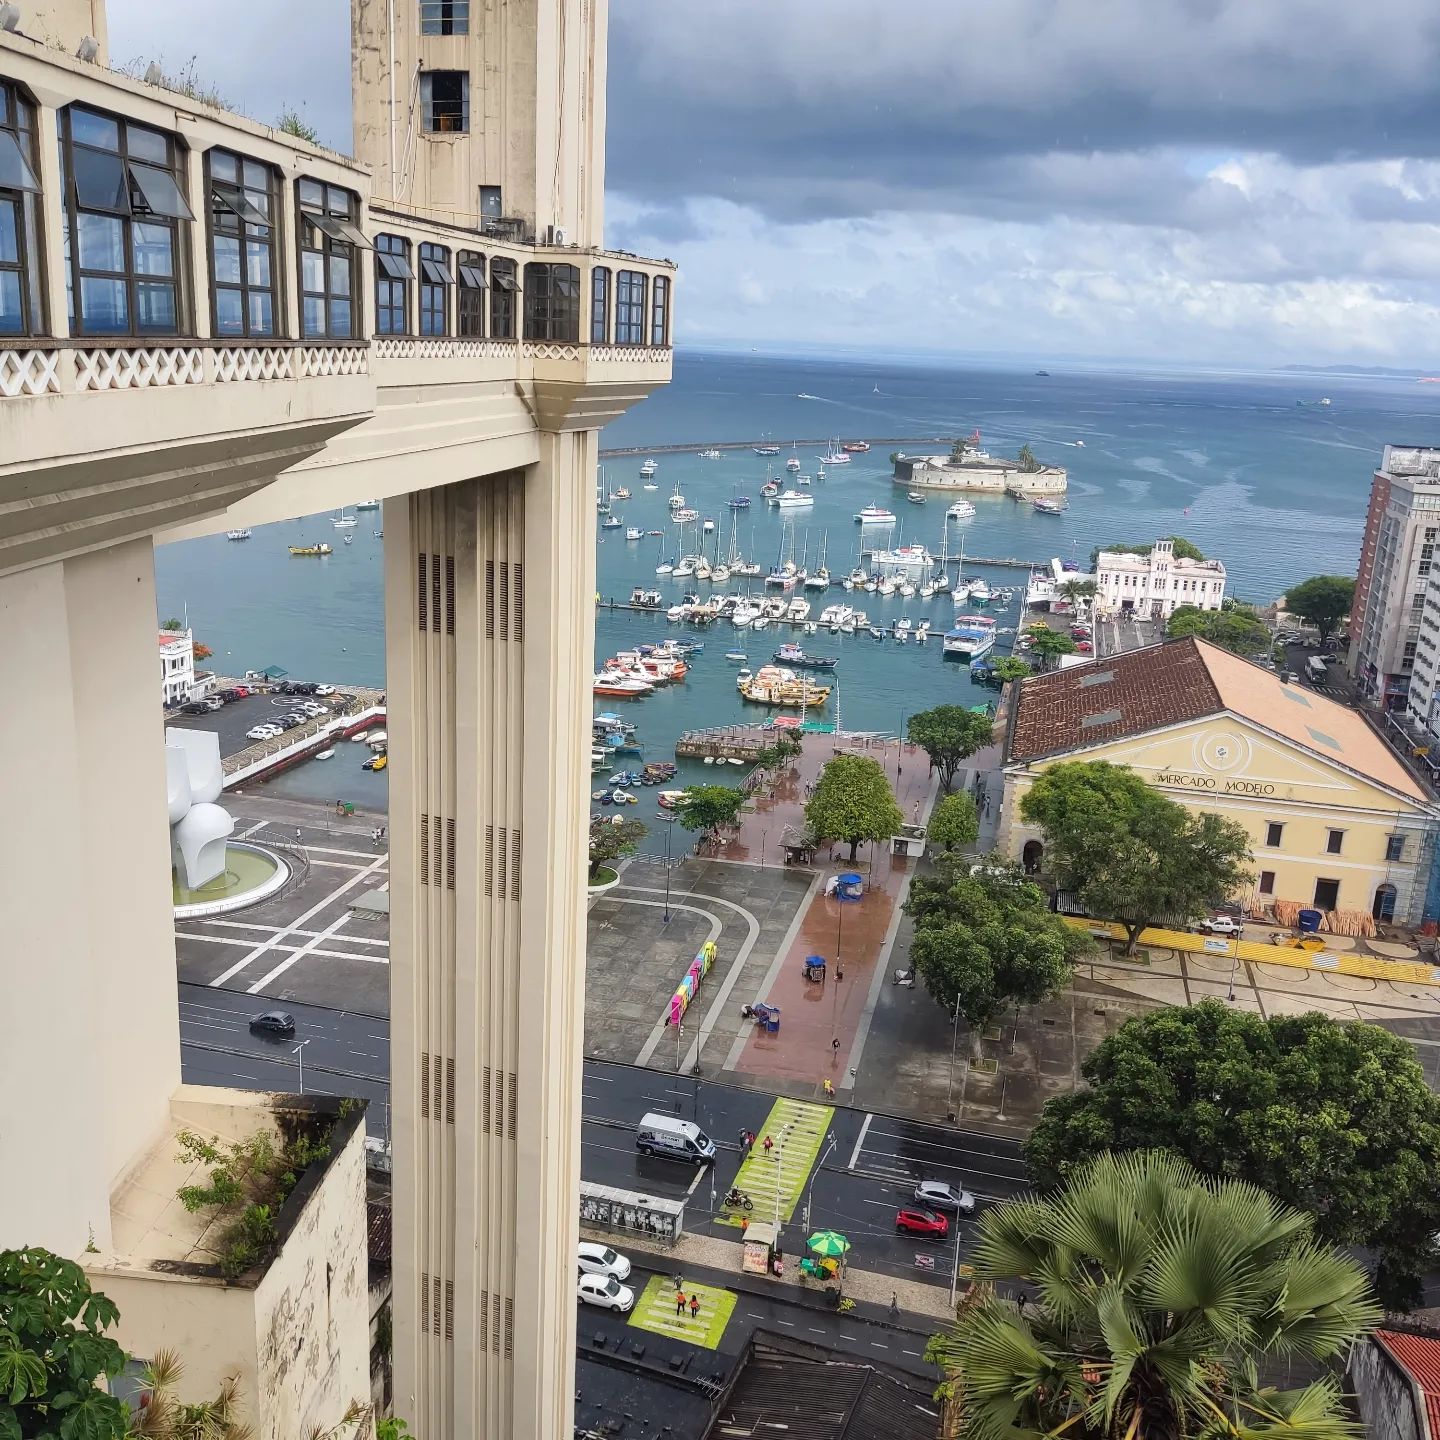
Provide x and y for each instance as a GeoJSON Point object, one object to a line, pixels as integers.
{"type": "Point", "coordinates": [811, 1014]}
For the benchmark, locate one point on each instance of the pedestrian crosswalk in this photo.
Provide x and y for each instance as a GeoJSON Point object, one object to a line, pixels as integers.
{"type": "Point", "coordinates": [775, 1178]}
{"type": "Point", "coordinates": [659, 1311]}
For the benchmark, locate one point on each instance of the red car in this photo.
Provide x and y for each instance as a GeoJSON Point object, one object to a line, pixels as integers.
{"type": "Point", "coordinates": [1084, 647]}
{"type": "Point", "coordinates": [916, 1221]}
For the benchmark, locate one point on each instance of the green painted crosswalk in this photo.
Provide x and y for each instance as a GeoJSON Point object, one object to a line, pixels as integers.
{"type": "Point", "coordinates": [797, 1129]}
{"type": "Point", "coordinates": [656, 1310]}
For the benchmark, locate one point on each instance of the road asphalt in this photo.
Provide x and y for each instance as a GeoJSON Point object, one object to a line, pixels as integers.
{"type": "Point", "coordinates": [869, 1162]}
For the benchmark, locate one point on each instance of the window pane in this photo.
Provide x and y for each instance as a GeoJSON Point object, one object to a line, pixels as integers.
{"type": "Point", "coordinates": [312, 270]}
{"type": "Point", "coordinates": [102, 242]}
{"type": "Point", "coordinates": [262, 313]}
{"type": "Point", "coordinates": [229, 313]}
{"type": "Point", "coordinates": [155, 307]}
{"type": "Point", "coordinates": [240, 205]}
{"type": "Point", "coordinates": [100, 182]}
{"type": "Point", "coordinates": [9, 232]}
{"type": "Point", "coordinates": [340, 317]}
{"type": "Point", "coordinates": [257, 262]}
{"type": "Point", "coordinates": [313, 316]}
{"type": "Point", "coordinates": [223, 166]}
{"type": "Point", "coordinates": [15, 171]}
{"type": "Point", "coordinates": [340, 277]}
{"type": "Point", "coordinates": [159, 193]}
{"type": "Point", "coordinates": [257, 177]}
{"type": "Point", "coordinates": [312, 192]}
{"type": "Point", "coordinates": [88, 128]}
{"type": "Point", "coordinates": [227, 260]}
{"type": "Point", "coordinates": [103, 305]}
{"type": "Point", "coordinates": [144, 144]}
{"type": "Point", "coordinates": [152, 250]}
{"type": "Point", "coordinates": [11, 316]}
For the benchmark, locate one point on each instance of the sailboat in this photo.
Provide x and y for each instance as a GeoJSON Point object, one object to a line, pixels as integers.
{"type": "Point", "coordinates": [677, 500]}
{"type": "Point", "coordinates": [819, 577]}
{"type": "Point", "coordinates": [940, 580]}
{"type": "Point", "coordinates": [793, 463]}
{"type": "Point", "coordinates": [343, 521]}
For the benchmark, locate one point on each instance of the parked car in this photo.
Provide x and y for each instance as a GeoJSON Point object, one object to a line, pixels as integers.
{"type": "Point", "coordinates": [213, 703]}
{"type": "Point", "coordinates": [937, 1195]}
{"type": "Point", "coordinates": [241, 692]}
{"type": "Point", "coordinates": [1083, 647]}
{"type": "Point", "coordinates": [262, 732]}
{"type": "Point", "coordinates": [913, 1220]}
{"type": "Point", "coordinates": [273, 1022]}
{"type": "Point", "coordinates": [195, 707]}
{"type": "Point", "coordinates": [593, 1259]}
{"type": "Point", "coordinates": [324, 689]}
{"type": "Point", "coordinates": [605, 1291]}
{"type": "Point", "coordinates": [1221, 925]}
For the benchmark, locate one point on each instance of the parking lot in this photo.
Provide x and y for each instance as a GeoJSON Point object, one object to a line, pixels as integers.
{"type": "Point", "coordinates": [237, 716]}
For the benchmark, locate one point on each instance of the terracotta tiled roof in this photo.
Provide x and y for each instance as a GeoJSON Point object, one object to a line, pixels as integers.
{"type": "Point", "coordinates": [1185, 680]}
{"type": "Point", "coordinates": [1420, 1358]}
{"type": "Point", "coordinates": [1110, 699]}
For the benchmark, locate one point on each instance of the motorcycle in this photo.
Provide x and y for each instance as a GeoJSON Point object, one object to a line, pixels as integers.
{"type": "Point", "coordinates": [905, 979]}
{"type": "Point", "coordinates": [737, 1199]}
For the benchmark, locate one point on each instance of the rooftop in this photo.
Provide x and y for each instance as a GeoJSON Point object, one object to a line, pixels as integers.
{"type": "Point", "coordinates": [1185, 680]}
{"type": "Point", "coordinates": [1126, 560]}
{"type": "Point", "coordinates": [1419, 1357]}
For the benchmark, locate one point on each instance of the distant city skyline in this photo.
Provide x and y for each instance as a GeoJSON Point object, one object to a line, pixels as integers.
{"type": "Point", "coordinates": [1216, 183]}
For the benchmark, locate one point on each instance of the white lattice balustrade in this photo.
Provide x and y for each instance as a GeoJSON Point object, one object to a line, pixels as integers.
{"type": "Point", "coordinates": [656, 354]}
{"type": "Point", "coordinates": [332, 360]}
{"type": "Point", "coordinates": [138, 368]}
{"type": "Point", "coordinates": [29, 372]}
{"type": "Point", "coordinates": [258, 362]}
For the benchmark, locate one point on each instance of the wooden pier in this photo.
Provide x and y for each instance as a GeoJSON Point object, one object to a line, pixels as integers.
{"type": "Point", "coordinates": [725, 742]}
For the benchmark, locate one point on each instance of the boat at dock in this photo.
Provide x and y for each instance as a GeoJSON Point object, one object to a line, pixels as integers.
{"type": "Point", "coordinates": [875, 515]}
{"type": "Point", "coordinates": [792, 654]}
{"type": "Point", "coordinates": [711, 454]}
{"type": "Point", "coordinates": [969, 638]}
{"type": "Point", "coordinates": [321, 549]}
{"type": "Point", "coordinates": [648, 469]}
{"type": "Point", "coordinates": [856, 447]}
{"type": "Point", "coordinates": [766, 449]}
{"type": "Point", "coordinates": [237, 534]}
{"type": "Point", "coordinates": [1049, 507]}
{"type": "Point", "coordinates": [775, 685]}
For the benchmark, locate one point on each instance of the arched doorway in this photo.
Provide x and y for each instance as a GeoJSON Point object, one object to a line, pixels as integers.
{"type": "Point", "coordinates": [1031, 856]}
{"type": "Point", "coordinates": [1383, 909]}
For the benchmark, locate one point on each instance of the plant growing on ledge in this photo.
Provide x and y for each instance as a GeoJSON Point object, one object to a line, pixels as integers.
{"type": "Point", "coordinates": [249, 1180]}
{"type": "Point", "coordinates": [612, 836]}
{"type": "Point", "coordinates": [290, 123]}
{"type": "Point", "coordinates": [1184, 549]}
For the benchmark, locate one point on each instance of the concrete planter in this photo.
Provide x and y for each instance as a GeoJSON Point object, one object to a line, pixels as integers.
{"type": "Point", "coordinates": [600, 886]}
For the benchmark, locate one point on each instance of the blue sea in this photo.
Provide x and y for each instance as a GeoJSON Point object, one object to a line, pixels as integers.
{"type": "Point", "coordinates": [1248, 466]}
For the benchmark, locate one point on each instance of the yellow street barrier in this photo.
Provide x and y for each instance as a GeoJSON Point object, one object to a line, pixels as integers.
{"type": "Point", "coordinates": [1372, 967]}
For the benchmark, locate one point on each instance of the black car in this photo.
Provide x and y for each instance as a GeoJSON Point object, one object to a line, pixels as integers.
{"type": "Point", "coordinates": [195, 708]}
{"type": "Point", "coordinates": [273, 1022]}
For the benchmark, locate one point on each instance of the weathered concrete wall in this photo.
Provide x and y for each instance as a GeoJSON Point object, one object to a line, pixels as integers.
{"type": "Point", "coordinates": [1384, 1395]}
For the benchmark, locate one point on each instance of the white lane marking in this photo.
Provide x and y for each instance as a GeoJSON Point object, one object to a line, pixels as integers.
{"type": "Point", "coordinates": [695, 1183]}
{"type": "Point", "coordinates": [299, 920]}
{"type": "Point", "coordinates": [915, 1353]}
{"type": "Point", "coordinates": [275, 929]}
{"type": "Point", "coordinates": [790, 1323]}
{"type": "Point", "coordinates": [253, 830]}
{"type": "Point", "coordinates": [860, 1143]}
{"type": "Point", "coordinates": [309, 948]}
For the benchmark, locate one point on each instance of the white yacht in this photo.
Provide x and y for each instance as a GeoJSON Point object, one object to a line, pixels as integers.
{"type": "Point", "coordinates": [961, 510]}
{"type": "Point", "coordinates": [634, 532]}
{"type": "Point", "coordinates": [677, 500]}
{"type": "Point", "coordinates": [710, 454]}
{"type": "Point", "coordinates": [648, 469]}
{"type": "Point", "coordinates": [793, 500]}
{"type": "Point", "coordinates": [343, 521]}
{"type": "Point", "coordinates": [367, 504]}
{"type": "Point", "coordinates": [876, 515]}
{"type": "Point", "coordinates": [237, 534]}
{"type": "Point", "coordinates": [799, 610]}
{"type": "Point", "coordinates": [684, 568]}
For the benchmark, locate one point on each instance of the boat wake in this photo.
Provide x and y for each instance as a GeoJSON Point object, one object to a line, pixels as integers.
{"type": "Point", "coordinates": [803, 396]}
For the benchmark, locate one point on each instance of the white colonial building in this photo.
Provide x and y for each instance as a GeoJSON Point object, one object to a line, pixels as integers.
{"type": "Point", "coordinates": [1157, 583]}
{"type": "Point", "coordinates": [177, 665]}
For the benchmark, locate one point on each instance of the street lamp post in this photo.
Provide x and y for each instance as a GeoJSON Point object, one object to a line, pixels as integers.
{"type": "Point", "coordinates": [810, 1193]}
{"type": "Point", "coordinates": [300, 1052]}
{"type": "Point", "coordinates": [1234, 963]}
{"type": "Point", "coordinates": [669, 830]}
{"type": "Point", "coordinates": [955, 1268]}
{"type": "Point", "coordinates": [950, 1086]}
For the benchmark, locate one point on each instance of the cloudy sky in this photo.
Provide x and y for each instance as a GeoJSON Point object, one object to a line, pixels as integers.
{"type": "Point", "coordinates": [1194, 180]}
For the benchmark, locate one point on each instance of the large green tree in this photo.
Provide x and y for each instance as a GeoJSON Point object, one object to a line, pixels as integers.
{"type": "Point", "coordinates": [1009, 667]}
{"type": "Point", "coordinates": [54, 1351]}
{"type": "Point", "coordinates": [612, 836]}
{"type": "Point", "coordinates": [710, 807]}
{"type": "Point", "coordinates": [954, 821]}
{"type": "Point", "coordinates": [1129, 853]}
{"type": "Point", "coordinates": [1155, 1294]}
{"type": "Point", "coordinates": [853, 802]}
{"type": "Point", "coordinates": [1048, 645]}
{"type": "Point", "coordinates": [985, 938]}
{"type": "Point", "coordinates": [1322, 601]}
{"type": "Point", "coordinates": [1237, 629]}
{"type": "Point", "coordinates": [949, 735]}
{"type": "Point", "coordinates": [1333, 1118]}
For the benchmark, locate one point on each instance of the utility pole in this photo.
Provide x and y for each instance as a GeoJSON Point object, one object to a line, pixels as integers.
{"type": "Point", "coordinates": [810, 1193]}
{"type": "Point", "coordinates": [950, 1085]}
{"type": "Point", "coordinates": [1234, 962]}
{"type": "Point", "coordinates": [955, 1268]}
{"type": "Point", "coordinates": [669, 830]}
{"type": "Point", "coordinates": [300, 1052]}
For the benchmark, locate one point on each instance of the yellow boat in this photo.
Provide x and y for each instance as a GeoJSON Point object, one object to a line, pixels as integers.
{"type": "Point", "coordinates": [774, 685]}
{"type": "Point", "coordinates": [321, 549]}
{"type": "Point", "coordinates": [381, 761]}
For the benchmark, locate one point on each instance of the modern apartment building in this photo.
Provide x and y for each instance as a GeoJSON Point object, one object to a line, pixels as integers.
{"type": "Point", "coordinates": [1156, 584]}
{"type": "Point", "coordinates": [206, 324]}
{"type": "Point", "coordinates": [1401, 526]}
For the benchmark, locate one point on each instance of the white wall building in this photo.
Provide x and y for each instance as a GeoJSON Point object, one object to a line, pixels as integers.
{"type": "Point", "coordinates": [177, 665]}
{"type": "Point", "coordinates": [1157, 583]}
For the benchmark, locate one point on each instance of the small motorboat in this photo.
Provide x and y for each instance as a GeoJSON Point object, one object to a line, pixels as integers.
{"type": "Point", "coordinates": [738, 655]}
{"type": "Point", "coordinates": [708, 760]}
{"type": "Point", "coordinates": [360, 736]}
{"type": "Point", "coordinates": [326, 755]}
{"type": "Point", "coordinates": [377, 737]}
{"type": "Point", "coordinates": [733, 761]}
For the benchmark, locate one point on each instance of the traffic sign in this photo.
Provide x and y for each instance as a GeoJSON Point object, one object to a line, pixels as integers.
{"type": "Point", "coordinates": [924, 1262]}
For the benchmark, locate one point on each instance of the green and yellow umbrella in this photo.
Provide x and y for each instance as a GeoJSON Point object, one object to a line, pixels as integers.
{"type": "Point", "coordinates": [828, 1243]}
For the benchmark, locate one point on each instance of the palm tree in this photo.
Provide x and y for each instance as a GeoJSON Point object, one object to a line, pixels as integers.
{"type": "Point", "coordinates": [1155, 1293]}
{"type": "Point", "coordinates": [1076, 590]}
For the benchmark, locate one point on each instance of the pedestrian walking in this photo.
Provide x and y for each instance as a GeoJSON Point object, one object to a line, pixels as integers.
{"type": "Point", "coordinates": [894, 1306]}
{"type": "Point", "coordinates": [694, 1307]}
{"type": "Point", "coordinates": [679, 1302]}
{"type": "Point", "coordinates": [829, 1089]}
{"type": "Point", "coordinates": [835, 1048]}
{"type": "Point", "coordinates": [769, 1145]}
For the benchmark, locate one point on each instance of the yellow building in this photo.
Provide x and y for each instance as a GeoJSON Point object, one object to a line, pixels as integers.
{"type": "Point", "coordinates": [1335, 820]}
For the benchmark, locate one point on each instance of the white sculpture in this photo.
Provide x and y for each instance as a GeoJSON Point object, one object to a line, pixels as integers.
{"type": "Point", "coordinates": [198, 826]}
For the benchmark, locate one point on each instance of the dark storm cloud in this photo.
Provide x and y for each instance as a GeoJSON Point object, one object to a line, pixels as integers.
{"type": "Point", "coordinates": [851, 107]}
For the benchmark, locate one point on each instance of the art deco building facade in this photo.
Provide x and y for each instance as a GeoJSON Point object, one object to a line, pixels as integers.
{"type": "Point", "coordinates": [206, 323]}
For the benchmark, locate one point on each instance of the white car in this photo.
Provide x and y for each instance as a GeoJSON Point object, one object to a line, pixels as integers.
{"type": "Point", "coordinates": [263, 732]}
{"type": "Point", "coordinates": [606, 1292]}
{"type": "Point", "coordinates": [937, 1195]}
{"type": "Point", "coordinates": [1221, 925]}
{"type": "Point", "coordinates": [324, 689]}
{"type": "Point", "coordinates": [595, 1259]}
{"type": "Point", "coordinates": [311, 708]}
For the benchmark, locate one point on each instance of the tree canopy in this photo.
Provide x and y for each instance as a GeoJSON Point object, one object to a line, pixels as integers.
{"type": "Point", "coordinates": [1322, 601]}
{"type": "Point", "coordinates": [710, 807]}
{"type": "Point", "coordinates": [1333, 1118]}
{"type": "Point", "coordinates": [853, 802]}
{"type": "Point", "coordinates": [1184, 549]}
{"type": "Point", "coordinates": [1237, 629]}
{"type": "Point", "coordinates": [949, 735]}
{"type": "Point", "coordinates": [612, 836]}
{"type": "Point", "coordinates": [985, 938]}
{"type": "Point", "coordinates": [1027, 461]}
{"type": "Point", "coordinates": [1048, 645]}
{"type": "Point", "coordinates": [954, 821]}
{"type": "Point", "coordinates": [54, 1351]}
{"type": "Point", "coordinates": [1156, 1294]}
{"type": "Point", "coordinates": [1129, 853]}
{"type": "Point", "coordinates": [1009, 667]}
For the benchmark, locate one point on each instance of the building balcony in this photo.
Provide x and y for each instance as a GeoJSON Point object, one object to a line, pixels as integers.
{"type": "Point", "coordinates": [287, 1315]}
{"type": "Point", "coordinates": [192, 305]}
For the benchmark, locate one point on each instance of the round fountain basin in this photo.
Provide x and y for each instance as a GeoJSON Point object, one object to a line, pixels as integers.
{"type": "Point", "coordinates": [251, 874]}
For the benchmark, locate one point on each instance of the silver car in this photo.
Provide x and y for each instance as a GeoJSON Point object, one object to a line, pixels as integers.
{"type": "Point", "coordinates": [938, 1195]}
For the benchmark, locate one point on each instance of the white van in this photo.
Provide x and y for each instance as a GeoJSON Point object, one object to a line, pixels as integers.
{"type": "Point", "coordinates": [674, 1139]}
{"type": "Point", "coordinates": [1315, 669]}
